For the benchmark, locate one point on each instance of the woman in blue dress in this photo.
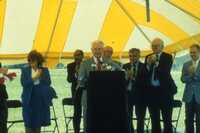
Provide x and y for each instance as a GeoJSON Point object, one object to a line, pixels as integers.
{"type": "Point", "coordinates": [36, 95]}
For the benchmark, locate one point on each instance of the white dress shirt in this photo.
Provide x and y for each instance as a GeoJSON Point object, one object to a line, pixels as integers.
{"type": "Point", "coordinates": [195, 63]}
{"type": "Point", "coordinates": [33, 72]}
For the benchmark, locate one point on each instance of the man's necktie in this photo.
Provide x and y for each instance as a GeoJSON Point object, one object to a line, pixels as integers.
{"type": "Point", "coordinates": [154, 67]}
{"type": "Point", "coordinates": [99, 64]}
{"type": "Point", "coordinates": [157, 58]}
{"type": "Point", "coordinates": [154, 73]}
{"type": "Point", "coordinates": [134, 69]}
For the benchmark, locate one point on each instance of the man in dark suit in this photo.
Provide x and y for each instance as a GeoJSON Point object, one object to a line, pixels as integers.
{"type": "Point", "coordinates": [72, 76]}
{"type": "Point", "coordinates": [108, 52]}
{"type": "Point", "coordinates": [96, 63]}
{"type": "Point", "coordinates": [136, 88]}
{"type": "Point", "coordinates": [3, 103]}
{"type": "Point", "coordinates": [161, 86]}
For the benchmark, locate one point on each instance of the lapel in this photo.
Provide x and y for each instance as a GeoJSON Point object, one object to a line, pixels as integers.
{"type": "Point", "coordinates": [198, 67]}
{"type": "Point", "coordinates": [138, 67]}
{"type": "Point", "coordinates": [73, 66]}
{"type": "Point", "coordinates": [129, 66]}
{"type": "Point", "coordinates": [29, 71]}
{"type": "Point", "coordinates": [137, 71]}
{"type": "Point", "coordinates": [104, 60]}
{"type": "Point", "coordinates": [189, 63]}
{"type": "Point", "coordinates": [162, 55]}
{"type": "Point", "coordinates": [91, 62]}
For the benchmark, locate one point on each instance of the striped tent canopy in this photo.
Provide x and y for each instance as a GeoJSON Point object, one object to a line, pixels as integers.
{"type": "Point", "coordinates": [58, 27]}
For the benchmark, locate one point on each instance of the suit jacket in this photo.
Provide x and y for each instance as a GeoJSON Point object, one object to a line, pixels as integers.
{"type": "Point", "coordinates": [71, 77]}
{"type": "Point", "coordinates": [138, 92]}
{"type": "Point", "coordinates": [89, 65]}
{"type": "Point", "coordinates": [27, 84]}
{"type": "Point", "coordinates": [3, 92]}
{"type": "Point", "coordinates": [192, 83]}
{"type": "Point", "coordinates": [86, 67]}
{"type": "Point", "coordinates": [167, 85]}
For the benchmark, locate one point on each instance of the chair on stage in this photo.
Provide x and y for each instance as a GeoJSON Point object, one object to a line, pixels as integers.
{"type": "Point", "coordinates": [147, 121]}
{"type": "Point", "coordinates": [54, 119]}
{"type": "Point", "coordinates": [177, 106]}
{"type": "Point", "coordinates": [14, 106]}
{"type": "Point", "coordinates": [68, 106]}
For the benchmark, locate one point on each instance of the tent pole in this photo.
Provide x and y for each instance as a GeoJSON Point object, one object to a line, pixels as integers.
{"type": "Point", "coordinates": [133, 20]}
{"type": "Point", "coordinates": [186, 12]}
{"type": "Point", "coordinates": [54, 28]}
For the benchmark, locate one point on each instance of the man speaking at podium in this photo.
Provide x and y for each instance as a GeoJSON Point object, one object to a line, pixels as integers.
{"type": "Point", "coordinates": [95, 63]}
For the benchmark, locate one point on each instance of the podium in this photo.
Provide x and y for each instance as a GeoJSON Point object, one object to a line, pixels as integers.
{"type": "Point", "coordinates": [107, 103]}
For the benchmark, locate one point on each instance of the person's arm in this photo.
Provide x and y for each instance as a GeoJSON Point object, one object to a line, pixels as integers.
{"type": "Point", "coordinates": [82, 79]}
{"type": "Point", "coordinates": [26, 80]}
{"type": "Point", "coordinates": [70, 74]}
{"type": "Point", "coordinates": [116, 66]}
{"type": "Point", "coordinates": [148, 62]}
{"type": "Point", "coordinates": [165, 65]}
{"type": "Point", "coordinates": [4, 71]}
{"type": "Point", "coordinates": [185, 76]}
{"type": "Point", "coordinates": [45, 77]}
{"type": "Point", "coordinates": [127, 76]}
{"type": "Point", "coordinates": [196, 75]}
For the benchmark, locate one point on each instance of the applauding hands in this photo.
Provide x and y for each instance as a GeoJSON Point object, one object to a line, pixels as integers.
{"type": "Point", "coordinates": [152, 59]}
{"type": "Point", "coordinates": [4, 71]}
{"type": "Point", "coordinates": [37, 74]}
{"type": "Point", "coordinates": [191, 70]}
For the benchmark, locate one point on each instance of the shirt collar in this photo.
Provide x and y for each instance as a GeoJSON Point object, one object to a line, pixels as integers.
{"type": "Point", "coordinates": [159, 54]}
{"type": "Point", "coordinates": [135, 63]}
{"type": "Point", "coordinates": [95, 59]}
{"type": "Point", "coordinates": [196, 62]}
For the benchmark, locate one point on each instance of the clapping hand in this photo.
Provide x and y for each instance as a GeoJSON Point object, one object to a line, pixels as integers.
{"type": "Point", "coordinates": [4, 71]}
{"type": "Point", "coordinates": [37, 75]}
{"type": "Point", "coordinates": [191, 70]}
{"type": "Point", "coordinates": [130, 74]}
{"type": "Point", "coordinates": [151, 59]}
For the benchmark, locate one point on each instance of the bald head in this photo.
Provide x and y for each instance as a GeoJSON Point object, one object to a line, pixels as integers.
{"type": "Point", "coordinates": [157, 45]}
{"type": "Point", "coordinates": [107, 52]}
{"type": "Point", "coordinates": [97, 48]}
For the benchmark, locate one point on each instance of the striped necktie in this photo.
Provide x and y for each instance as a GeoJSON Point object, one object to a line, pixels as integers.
{"type": "Point", "coordinates": [99, 64]}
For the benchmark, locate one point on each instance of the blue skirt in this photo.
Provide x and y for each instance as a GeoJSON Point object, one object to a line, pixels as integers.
{"type": "Point", "coordinates": [36, 113]}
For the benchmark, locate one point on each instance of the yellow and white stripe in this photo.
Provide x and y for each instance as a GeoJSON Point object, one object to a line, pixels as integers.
{"type": "Point", "coordinates": [59, 27]}
{"type": "Point", "coordinates": [2, 15]}
{"type": "Point", "coordinates": [20, 25]}
{"type": "Point", "coordinates": [87, 23]}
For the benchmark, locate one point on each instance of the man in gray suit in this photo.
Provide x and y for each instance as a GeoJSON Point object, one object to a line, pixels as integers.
{"type": "Point", "coordinates": [95, 63]}
{"type": "Point", "coordinates": [191, 77]}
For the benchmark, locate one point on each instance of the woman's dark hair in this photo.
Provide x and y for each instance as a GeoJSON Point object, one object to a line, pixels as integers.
{"type": "Point", "coordinates": [132, 50]}
{"type": "Point", "coordinates": [36, 56]}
